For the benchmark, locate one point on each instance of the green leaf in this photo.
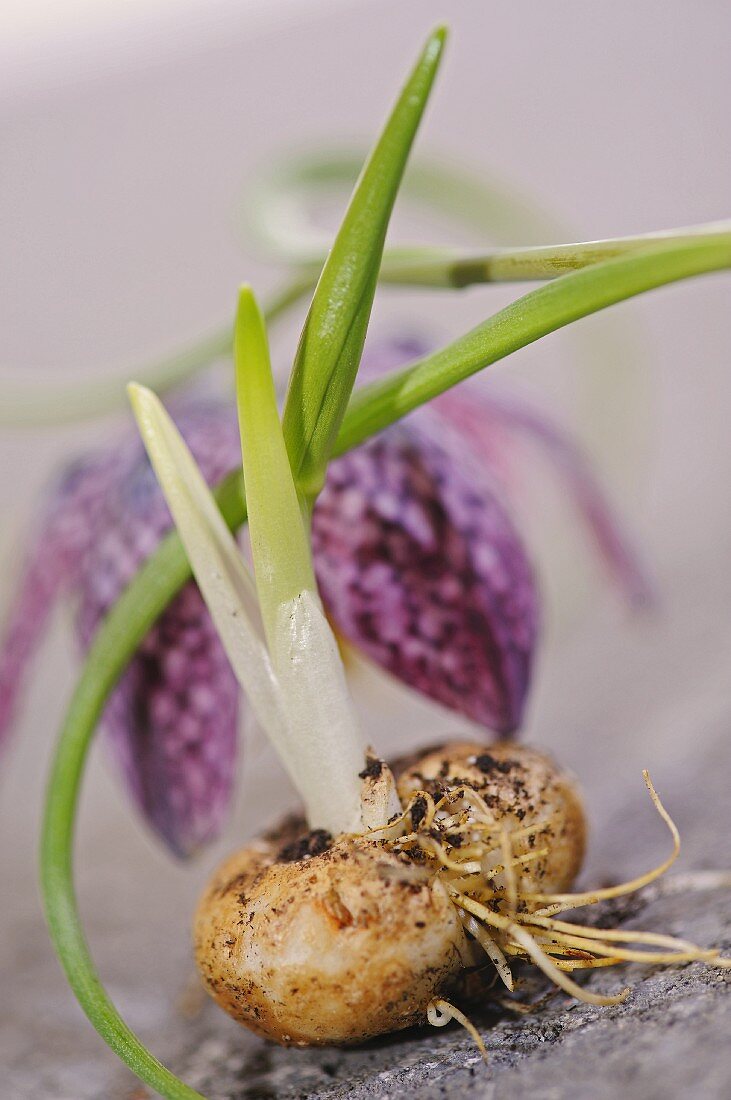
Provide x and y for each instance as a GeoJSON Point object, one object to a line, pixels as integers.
{"type": "Point", "coordinates": [536, 314]}
{"type": "Point", "coordinates": [279, 540]}
{"type": "Point", "coordinates": [332, 339]}
{"type": "Point", "coordinates": [320, 744]}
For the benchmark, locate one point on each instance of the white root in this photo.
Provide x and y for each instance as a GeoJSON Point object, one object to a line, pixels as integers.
{"type": "Point", "coordinates": [440, 1012]}
{"type": "Point", "coordinates": [491, 949]}
{"type": "Point", "coordinates": [501, 914]}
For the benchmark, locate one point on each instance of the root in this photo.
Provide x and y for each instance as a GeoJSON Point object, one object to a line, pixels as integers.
{"type": "Point", "coordinates": [491, 949]}
{"type": "Point", "coordinates": [439, 1013]}
{"type": "Point", "coordinates": [557, 975]}
{"type": "Point", "coordinates": [485, 868]}
{"type": "Point", "coordinates": [574, 901]}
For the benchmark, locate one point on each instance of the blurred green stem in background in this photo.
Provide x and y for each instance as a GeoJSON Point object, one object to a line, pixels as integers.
{"type": "Point", "coordinates": [427, 268]}
{"type": "Point", "coordinates": [276, 215]}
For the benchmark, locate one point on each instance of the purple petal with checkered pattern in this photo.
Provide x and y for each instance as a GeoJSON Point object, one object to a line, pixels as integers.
{"type": "Point", "coordinates": [496, 426]}
{"type": "Point", "coordinates": [420, 566]}
{"type": "Point", "coordinates": [172, 722]}
{"type": "Point", "coordinates": [65, 532]}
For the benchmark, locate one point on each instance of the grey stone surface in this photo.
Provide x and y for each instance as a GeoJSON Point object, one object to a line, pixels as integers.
{"type": "Point", "coordinates": [667, 1040]}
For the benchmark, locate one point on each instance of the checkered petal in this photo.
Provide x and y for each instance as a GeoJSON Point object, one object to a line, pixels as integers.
{"type": "Point", "coordinates": [420, 566]}
{"type": "Point", "coordinates": [172, 719]}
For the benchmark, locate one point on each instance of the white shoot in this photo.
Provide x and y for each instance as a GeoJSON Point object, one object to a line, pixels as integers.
{"type": "Point", "coordinates": [297, 690]}
{"type": "Point", "coordinates": [274, 630]}
{"type": "Point", "coordinates": [218, 566]}
{"type": "Point", "coordinates": [324, 741]}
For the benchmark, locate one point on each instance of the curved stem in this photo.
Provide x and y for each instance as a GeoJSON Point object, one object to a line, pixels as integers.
{"type": "Point", "coordinates": [275, 213]}
{"type": "Point", "coordinates": [428, 268]}
{"type": "Point", "coordinates": [114, 644]}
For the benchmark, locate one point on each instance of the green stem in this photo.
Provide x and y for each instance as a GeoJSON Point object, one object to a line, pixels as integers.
{"type": "Point", "coordinates": [454, 270]}
{"type": "Point", "coordinates": [114, 645]}
{"type": "Point", "coordinates": [372, 408]}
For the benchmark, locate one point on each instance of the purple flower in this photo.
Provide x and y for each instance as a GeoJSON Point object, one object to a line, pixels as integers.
{"type": "Point", "coordinates": [171, 722]}
{"type": "Point", "coordinates": [418, 561]}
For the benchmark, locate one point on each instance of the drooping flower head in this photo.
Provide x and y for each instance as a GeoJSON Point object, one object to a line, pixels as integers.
{"type": "Point", "coordinates": [171, 722]}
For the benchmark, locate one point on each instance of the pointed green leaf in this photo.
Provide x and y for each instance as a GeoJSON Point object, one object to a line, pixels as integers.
{"type": "Point", "coordinates": [322, 746]}
{"type": "Point", "coordinates": [332, 340]}
{"type": "Point", "coordinates": [279, 541]}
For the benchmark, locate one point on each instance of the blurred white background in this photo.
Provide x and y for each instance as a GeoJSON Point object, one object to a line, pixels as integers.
{"type": "Point", "coordinates": [44, 42]}
{"type": "Point", "coordinates": [128, 135]}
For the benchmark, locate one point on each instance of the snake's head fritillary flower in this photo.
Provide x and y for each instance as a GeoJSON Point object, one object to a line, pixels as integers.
{"type": "Point", "coordinates": [171, 722]}
{"type": "Point", "coordinates": [418, 559]}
